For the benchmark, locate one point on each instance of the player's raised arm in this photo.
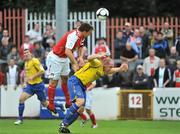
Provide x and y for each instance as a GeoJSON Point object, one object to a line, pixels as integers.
{"type": "Point", "coordinates": [70, 44]}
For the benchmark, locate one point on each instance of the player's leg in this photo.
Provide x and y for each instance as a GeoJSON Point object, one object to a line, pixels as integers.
{"type": "Point", "coordinates": [39, 90]}
{"type": "Point", "coordinates": [27, 93]}
{"type": "Point", "coordinates": [88, 107]}
{"type": "Point", "coordinates": [54, 69]}
{"type": "Point", "coordinates": [92, 117]}
{"type": "Point", "coordinates": [65, 90]}
{"type": "Point", "coordinates": [73, 113]}
{"type": "Point", "coordinates": [76, 91]}
{"type": "Point", "coordinates": [84, 119]}
{"type": "Point", "coordinates": [64, 78]}
{"type": "Point", "coordinates": [51, 93]}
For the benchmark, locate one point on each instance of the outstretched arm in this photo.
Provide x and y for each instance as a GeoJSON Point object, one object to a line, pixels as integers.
{"type": "Point", "coordinates": [122, 68]}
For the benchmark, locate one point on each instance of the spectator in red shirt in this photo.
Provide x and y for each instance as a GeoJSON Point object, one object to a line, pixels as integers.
{"type": "Point", "coordinates": [27, 44]}
{"type": "Point", "coordinates": [101, 47]}
{"type": "Point", "coordinates": [2, 77]}
{"type": "Point", "coordinates": [176, 77]}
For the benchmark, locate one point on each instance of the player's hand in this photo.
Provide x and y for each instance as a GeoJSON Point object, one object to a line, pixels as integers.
{"type": "Point", "coordinates": [124, 67]}
{"type": "Point", "coordinates": [81, 61]}
{"type": "Point", "coordinates": [75, 67]}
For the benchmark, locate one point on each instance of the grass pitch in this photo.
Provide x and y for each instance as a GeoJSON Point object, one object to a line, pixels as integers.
{"type": "Point", "coordinates": [104, 127]}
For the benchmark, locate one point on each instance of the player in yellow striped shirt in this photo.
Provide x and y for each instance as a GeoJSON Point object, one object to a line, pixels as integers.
{"type": "Point", "coordinates": [97, 66]}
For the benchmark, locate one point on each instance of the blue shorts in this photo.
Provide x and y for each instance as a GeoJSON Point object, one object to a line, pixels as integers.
{"type": "Point", "coordinates": [76, 88]}
{"type": "Point", "coordinates": [38, 89]}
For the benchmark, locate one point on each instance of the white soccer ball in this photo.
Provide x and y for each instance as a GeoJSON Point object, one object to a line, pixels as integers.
{"type": "Point", "coordinates": [102, 13]}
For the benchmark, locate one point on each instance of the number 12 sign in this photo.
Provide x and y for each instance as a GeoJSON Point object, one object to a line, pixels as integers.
{"type": "Point", "coordinates": [135, 101]}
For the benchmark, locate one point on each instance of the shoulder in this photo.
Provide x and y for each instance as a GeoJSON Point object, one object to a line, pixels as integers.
{"type": "Point", "coordinates": [146, 59]}
{"type": "Point", "coordinates": [95, 62]}
{"type": "Point", "coordinates": [72, 35]}
{"type": "Point", "coordinates": [35, 60]}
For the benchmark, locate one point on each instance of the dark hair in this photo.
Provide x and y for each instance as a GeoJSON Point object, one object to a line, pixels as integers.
{"type": "Point", "coordinates": [160, 33]}
{"type": "Point", "coordinates": [85, 27]}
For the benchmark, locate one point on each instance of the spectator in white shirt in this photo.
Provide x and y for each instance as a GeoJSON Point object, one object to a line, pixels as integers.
{"type": "Point", "coordinates": [12, 74]}
{"type": "Point", "coordinates": [35, 34]}
{"type": "Point", "coordinates": [162, 75]}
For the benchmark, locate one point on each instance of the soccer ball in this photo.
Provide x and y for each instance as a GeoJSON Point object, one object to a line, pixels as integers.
{"type": "Point", "coordinates": [102, 13]}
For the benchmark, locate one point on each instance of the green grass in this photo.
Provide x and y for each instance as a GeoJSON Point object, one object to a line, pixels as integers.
{"type": "Point", "coordinates": [104, 127]}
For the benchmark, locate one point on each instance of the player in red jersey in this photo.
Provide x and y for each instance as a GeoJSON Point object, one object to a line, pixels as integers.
{"type": "Point", "coordinates": [58, 60]}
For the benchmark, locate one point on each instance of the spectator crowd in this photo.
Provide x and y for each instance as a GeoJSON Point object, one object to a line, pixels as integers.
{"type": "Point", "coordinates": [153, 56]}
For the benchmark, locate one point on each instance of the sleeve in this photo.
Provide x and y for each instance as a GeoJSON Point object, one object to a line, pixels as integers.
{"type": "Point", "coordinates": [169, 74]}
{"type": "Point", "coordinates": [116, 44]}
{"type": "Point", "coordinates": [38, 65]}
{"type": "Point", "coordinates": [174, 76]}
{"type": "Point", "coordinates": [71, 40]}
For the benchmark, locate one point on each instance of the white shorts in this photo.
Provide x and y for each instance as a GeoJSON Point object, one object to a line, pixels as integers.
{"type": "Point", "coordinates": [89, 101]}
{"type": "Point", "coordinates": [57, 66]}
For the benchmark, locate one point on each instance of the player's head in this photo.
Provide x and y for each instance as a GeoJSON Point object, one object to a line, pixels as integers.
{"type": "Point", "coordinates": [86, 29]}
{"type": "Point", "coordinates": [107, 63]}
{"type": "Point", "coordinates": [27, 54]}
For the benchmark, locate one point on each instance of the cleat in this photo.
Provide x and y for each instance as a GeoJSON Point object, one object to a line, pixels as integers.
{"type": "Point", "coordinates": [18, 122]}
{"type": "Point", "coordinates": [94, 126]}
{"type": "Point", "coordinates": [54, 113]}
{"type": "Point", "coordinates": [83, 122]}
{"type": "Point", "coordinates": [63, 129]}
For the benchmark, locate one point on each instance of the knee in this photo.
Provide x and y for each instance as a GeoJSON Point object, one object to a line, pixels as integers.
{"type": "Point", "coordinates": [81, 110]}
{"type": "Point", "coordinates": [80, 102]}
{"type": "Point", "coordinates": [53, 83]}
{"type": "Point", "coordinates": [64, 79]}
{"type": "Point", "coordinates": [21, 100]}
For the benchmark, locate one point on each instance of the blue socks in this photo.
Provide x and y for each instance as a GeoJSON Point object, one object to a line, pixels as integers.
{"type": "Point", "coordinates": [21, 110]}
{"type": "Point", "coordinates": [71, 115]}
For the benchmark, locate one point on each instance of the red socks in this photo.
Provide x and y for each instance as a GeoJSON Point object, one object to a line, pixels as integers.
{"type": "Point", "coordinates": [93, 119]}
{"type": "Point", "coordinates": [66, 93]}
{"type": "Point", "coordinates": [83, 117]}
{"type": "Point", "coordinates": [51, 95]}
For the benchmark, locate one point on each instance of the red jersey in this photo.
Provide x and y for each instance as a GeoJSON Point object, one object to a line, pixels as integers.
{"type": "Point", "coordinates": [100, 49]}
{"type": "Point", "coordinates": [70, 40]}
{"type": "Point", "coordinates": [177, 78]}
